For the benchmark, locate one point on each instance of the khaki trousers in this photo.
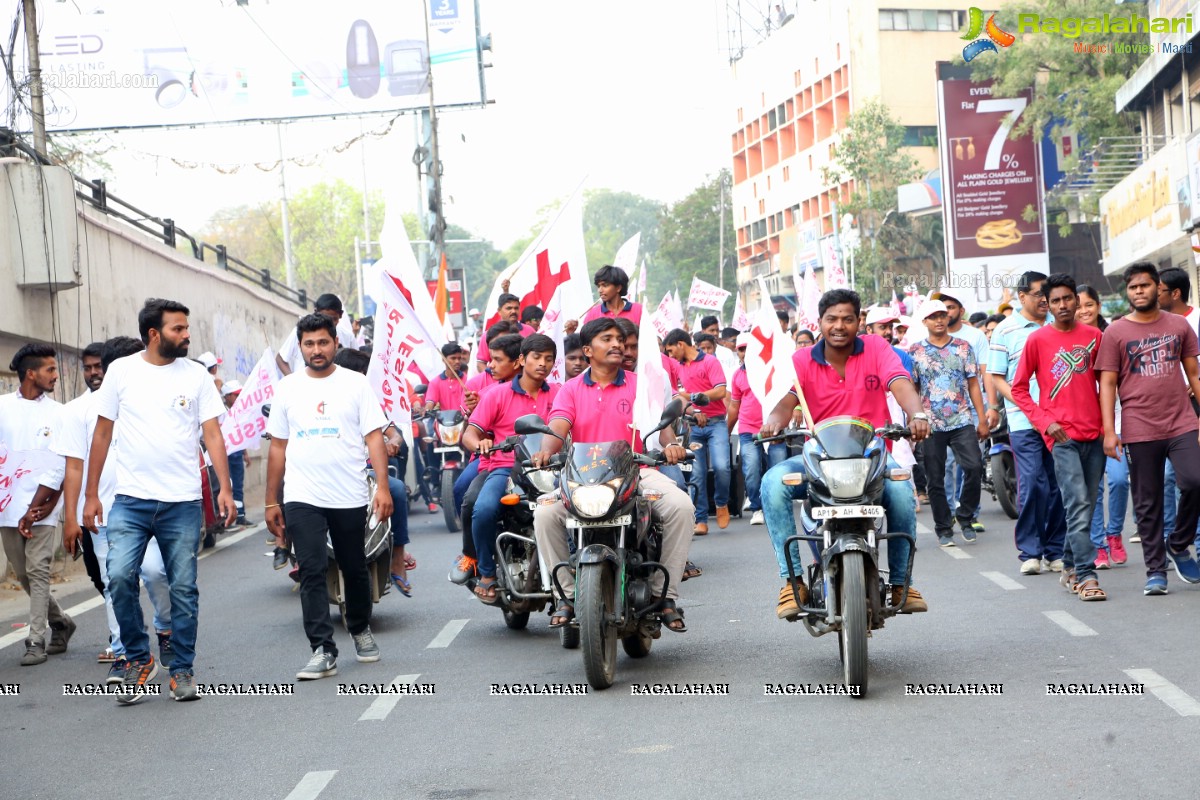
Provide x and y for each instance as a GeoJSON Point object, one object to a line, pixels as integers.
{"type": "Point", "coordinates": [30, 560]}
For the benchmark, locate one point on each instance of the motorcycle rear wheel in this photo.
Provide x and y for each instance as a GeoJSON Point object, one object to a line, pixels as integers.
{"type": "Point", "coordinates": [516, 620]}
{"type": "Point", "coordinates": [596, 598]}
{"type": "Point", "coordinates": [453, 521]}
{"type": "Point", "coordinates": [855, 624]}
{"type": "Point", "coordinates": [1004, 478]}
{"type": "Point", "coordinates": [637, 645]}
{"type": "Point", "coordinates": [568, 637]}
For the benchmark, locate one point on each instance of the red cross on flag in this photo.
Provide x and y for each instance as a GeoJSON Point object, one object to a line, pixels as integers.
{"type": "Point", "coordinates": [769, 366]}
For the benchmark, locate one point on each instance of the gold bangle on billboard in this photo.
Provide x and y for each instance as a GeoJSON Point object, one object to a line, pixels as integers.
{"type": "Point", "coordinates": [998, 234]}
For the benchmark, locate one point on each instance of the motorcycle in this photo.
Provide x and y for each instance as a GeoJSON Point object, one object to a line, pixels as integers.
{"type": "Point", "coordinates": [683, 432]}
{"type": "Point", "coordinates": [519, 589]}
{"type": "Point", "coordinates": [845, 466]}
{"type": "Point", "coordinates": [999, 473]}
{"type": "Point", "coordinates": [449, 458]}
{"type": "Point", "coordinates": [617, 546]}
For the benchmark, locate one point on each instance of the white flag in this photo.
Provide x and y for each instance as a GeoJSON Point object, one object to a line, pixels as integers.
{"type": "Point", "coordinates": [641, 287]}
{"type": "Point", "coordinates": [399, 336]}
{"type": "Point", "coordinates": [769, 367]}
{"type": "Point", "coordinates": [705, 295]}
{"type": "Point", "coordinates": [552, 325]}
{"type": "Point", "coordinates": [663, 318]}
{"type": "Point", "coordinates": [741, 320]}
{"type": "Point", "coordinates": [653, 383]}
{"type": "Point", "coordinates": [244, 424]}
{"type": "Point", "coordinates": [398, 266]}
{"type": "Point", "coordinates": [835, 275]}
{"type": "Point", "coordinates": [626, 257]}
{"type": "Point", "coordinates": [808, 299]}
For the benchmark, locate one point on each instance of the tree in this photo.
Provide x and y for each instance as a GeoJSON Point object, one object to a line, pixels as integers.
{"type": "Point", "coordinates": [611, 218]}
{"type": "Point", "coordinates": [871, 155]}
{"type": "Point", "coordinates": [690, 233]}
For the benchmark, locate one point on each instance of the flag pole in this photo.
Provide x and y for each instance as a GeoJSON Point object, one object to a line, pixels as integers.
{"type": "Point", "coordinates": [808, 420]}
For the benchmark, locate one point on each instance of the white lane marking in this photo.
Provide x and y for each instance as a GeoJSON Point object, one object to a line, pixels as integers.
{"type": "Point", "coordinates": [1183, 703]}
{"type": "Point", "coordinates": [1002, 580]}
{"type": "Point", "coordinates": [923, 528]}
{"type": "Point", "coordinates": [311, 785]}
{"type": "Point", "coordinates": [452, 629]}
{"type": "Point", "coordinates": [95, 601]}
{"type": "Point", "coordinates": [956, 552]}
{"type": "Point", "coordinates": [384, 704]}
{"type": "Point", "coordinates": [651, 748]}
{"type": "Point", "coordinates": [1069, 623]}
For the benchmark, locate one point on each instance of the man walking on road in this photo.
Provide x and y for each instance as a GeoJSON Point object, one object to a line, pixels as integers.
{"type": "Point", "coordinates": [324, 423]}
{"type": "Point", "coordinates": [164, 401]}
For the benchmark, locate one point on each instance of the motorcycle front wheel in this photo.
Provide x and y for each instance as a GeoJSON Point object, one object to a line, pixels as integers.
{"type": "Point", "coordinates": [855, 624]}
{"type": "Point", "coordinates": [595, 601]}
{"type": "Point", "coordinates": [453, 522]}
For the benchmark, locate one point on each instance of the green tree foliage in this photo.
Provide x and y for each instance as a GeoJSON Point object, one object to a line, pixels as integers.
{"type": "Point", "coordinates": [690, 241]}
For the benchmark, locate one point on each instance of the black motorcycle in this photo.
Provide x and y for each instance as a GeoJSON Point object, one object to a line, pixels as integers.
{"type": "Point", "coordinates": [448, 458]}
{"type": "Point", "coordinates": [999, 473]}
{"type": "Point", "coordinates": [617, 546]}
{"type": "Point", "coordinates": [845, 466]}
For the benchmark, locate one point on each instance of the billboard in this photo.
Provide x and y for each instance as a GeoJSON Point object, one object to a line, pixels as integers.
{"type": "Point", "coordinates": [1146, 212]}
{"type": "Point", "coordinates": [989, 180]}
{"type": "Point", "coordinates": [132, 63]}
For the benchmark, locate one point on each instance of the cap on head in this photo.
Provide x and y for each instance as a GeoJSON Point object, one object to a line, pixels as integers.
{"type": "Point", "coordinates": [929, 308]}
{"type": "Point", "coordinates": [230, 387]}
{"type": "Point", "coordinates": [879, 314]}
{"type": "Point", "coordinates": [474, 312]}
{"type": "Point", "coordinates": [208, 359]}
{"type": "Point", "coordinates": [743, 340]}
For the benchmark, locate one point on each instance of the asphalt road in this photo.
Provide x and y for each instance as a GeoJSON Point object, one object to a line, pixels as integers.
{"type": "Point", "coordinates": [986, 625]}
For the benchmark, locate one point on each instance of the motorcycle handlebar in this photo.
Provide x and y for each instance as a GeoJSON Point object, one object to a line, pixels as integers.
{"type": "Point", "coordinates": [657, 459]}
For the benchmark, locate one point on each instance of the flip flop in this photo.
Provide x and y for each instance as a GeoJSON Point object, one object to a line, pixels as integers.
{"type": "Point", "coordinates": [482, 589]}
{"type": "Point", "coordinates": [410, 563]}
{"type": "Point", "coordinates": [565, 612]}
{"type": "Point", "coordinates": [404, 586]}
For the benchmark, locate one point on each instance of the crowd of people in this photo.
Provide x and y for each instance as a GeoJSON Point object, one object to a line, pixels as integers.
{"type": "Point", "coordinates": [1089, 404]}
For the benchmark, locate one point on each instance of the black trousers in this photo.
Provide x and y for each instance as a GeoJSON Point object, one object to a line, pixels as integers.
{"type": "Point", "coordinates": [1147, 461]}
{"type": "Point", "coordinates": [965, 443]}
{"type": "Point", "coordinates": [307, 526]}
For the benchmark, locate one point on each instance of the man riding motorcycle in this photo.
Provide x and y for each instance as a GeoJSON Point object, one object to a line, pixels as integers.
{"type": "Point", "coordinates": [844, 374]}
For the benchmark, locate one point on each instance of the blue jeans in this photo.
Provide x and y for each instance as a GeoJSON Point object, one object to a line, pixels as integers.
{"type": "Point", "coordinates": [153, 575]}
{"type": "Point", "coordinates": [1116, 475]}
{"type": "Point", "coordinates": [464, 482]}
{"type": "Point", "coordinates": [1170, 501]}
{"type": "Point", "coordinates": [1041, 528]}
{"type": "Point", "coordinates": [176, 528]}
{"type": "Point", "coordinates": [237, 477]}
{"type": "Point", "coordinates": [673, 472]}
{"type": "Point", "coordinates": [399, 493]}
{"type": "Point", "coordinates": [752, 465]}
{"type": "Point", "coordinates": [483, 519]}
{"type": "Point", "coordinates": [715, 452]}
{"type": "Point", "coordinates": [898, 504]}
{"type": "Point", "coordinates": [1080, 468]}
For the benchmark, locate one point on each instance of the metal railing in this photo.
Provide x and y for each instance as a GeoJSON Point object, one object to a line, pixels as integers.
{"type": "Point", "coordinates": [95, 193]}
{"type": "Point", "coordinates": [1102, 167]}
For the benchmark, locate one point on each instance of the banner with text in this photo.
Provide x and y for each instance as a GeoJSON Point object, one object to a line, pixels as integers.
{"type": "Point", "coordinates": [705, 295]}
{"type": "Point", "coordinates": [244, 424]}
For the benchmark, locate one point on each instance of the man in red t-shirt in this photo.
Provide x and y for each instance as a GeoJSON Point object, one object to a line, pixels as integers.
{"type": "Point", "coordinates": [1062, 357]}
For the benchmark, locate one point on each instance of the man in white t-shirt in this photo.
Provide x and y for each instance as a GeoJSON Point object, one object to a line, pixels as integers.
{"type": "Point", "coordinates": [71, 441]}
{"type": "Point", "coordinates": [164, 401]}
{"type": "Point", "coordinates": [29, 417]}
{"type": "Point", "coordinates": [324, 422]}
{"type": "Point", "coordinates": [289, 358]}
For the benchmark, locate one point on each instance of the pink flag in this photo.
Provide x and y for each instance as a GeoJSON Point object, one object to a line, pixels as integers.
{"type": "Point", "coordinates": [769, 366]}
{"type": "Point", "coordinates": [244, 424]}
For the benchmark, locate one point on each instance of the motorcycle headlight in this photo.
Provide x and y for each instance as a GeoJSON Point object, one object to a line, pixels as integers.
{"type": "Point", "coordinates": [542, 480]}
{"type": "Point", "coordinates": [591, 501]}
{"type": "Point", "coordinates": [846, 477]}
{"type": "Point", "coordinates": [451, 434]}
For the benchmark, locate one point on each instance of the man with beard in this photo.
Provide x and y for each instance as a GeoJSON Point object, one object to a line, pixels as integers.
{"type": "Point", "coordinates": [324, 423]}
{"type": "Point", "coordinates": [163, 401]}
{"type": "Point", "coordinates": [29, 419]}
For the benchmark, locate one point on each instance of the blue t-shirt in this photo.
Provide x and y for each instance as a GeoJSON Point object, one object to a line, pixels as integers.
{"type": "Point", "coordinates": [1004, 354]}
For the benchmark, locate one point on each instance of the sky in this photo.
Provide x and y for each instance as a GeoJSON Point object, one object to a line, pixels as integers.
{"type": "Point", "coordinates": [631, 95]}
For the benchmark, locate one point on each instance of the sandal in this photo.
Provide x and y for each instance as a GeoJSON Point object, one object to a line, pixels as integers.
{"type": "Point", "coordinates": [403, 585]}
{"type": "Point", "coordinates": [1067, 580]}
{"type": "Point", "coordinates": [671, 615]}
{"type": "Point", "coordinates": [564, 614]}
{"type": "Point", "coordinates": [410, 563]}
{"type": "Point", "coordinates": [485, 590]}
{"type": "Point", "coordinates": [106, 656]}
{"type": "Point", "coordinates": [1090, 590]}
{"type": "Point", "coordinates": [691, 571]}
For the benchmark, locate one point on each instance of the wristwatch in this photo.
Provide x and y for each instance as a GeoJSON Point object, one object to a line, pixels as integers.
{"type": "Point", "coordinates": [921, 415]}
{"type": "Point", "coordinates": [996, 407]}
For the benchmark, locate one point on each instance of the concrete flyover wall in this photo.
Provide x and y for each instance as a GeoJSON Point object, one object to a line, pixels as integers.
{"type": "Point", "coordinates": [70, 275]}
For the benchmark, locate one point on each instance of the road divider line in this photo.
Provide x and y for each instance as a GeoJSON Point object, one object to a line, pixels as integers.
{"type": "Point", "coordinates": [1183, 703]}
{"type": "Point", "coordinates": [311, 785]}
{"type": "Point", "coordinates": [384, 704]}
{"type": "Point", "coordinates": [452, 629]}
{"type": "Point", "coordinates": [231, 539]}
{"type": "Point", "coordinates": [1069, 624]}
{"type": "Point", "coordinates": [1002, 580]}
{"type": "Point", "coordinates": [923, 528]}
{"type": "Point", "coordinates": [956, 552]}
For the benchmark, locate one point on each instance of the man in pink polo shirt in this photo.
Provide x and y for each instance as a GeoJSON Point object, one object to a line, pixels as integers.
{"type": "Point", "coordinates": [494, 421]}
{"type": "Point", "coordinates": [844, 374]}
{"type": "Point", "coordinates": [447, 390]}
{"type": "Point", "coordinates": [612, 284]}
{"type": "Point", "coordinates": [745, 412]}
{"type": "Point", "coordinates": [598, 407]}
{"type": "Point", "coordinates": [701, 373]}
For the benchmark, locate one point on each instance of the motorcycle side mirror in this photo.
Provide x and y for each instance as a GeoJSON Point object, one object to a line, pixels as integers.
{"type": "Point", "coordinates": [266, 409]}
{"type": "Point", "coordinates": [421, 388]}
{"type": "Point", "coordinates": [671, 412]}
{"type": "Point", "coordinates": [532, 423]}
{"type": "Point", "coordinates": [700, 399]}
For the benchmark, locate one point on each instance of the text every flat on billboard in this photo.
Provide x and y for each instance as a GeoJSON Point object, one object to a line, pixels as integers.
{"type": "Point", "coordinates": [143, 64]}
{"type": "Point", "coordinates": [989, 181]}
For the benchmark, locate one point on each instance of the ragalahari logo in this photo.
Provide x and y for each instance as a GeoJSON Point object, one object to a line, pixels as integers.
{"type": "Point", "coordinates": [995, 36]}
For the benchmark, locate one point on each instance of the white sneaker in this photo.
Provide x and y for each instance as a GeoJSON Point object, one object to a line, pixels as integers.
{"type": "Point", "coordinates": [1055, 566]}
{"type": "Point", "coordinates": [321, 665]}
{"type": "Point", "coordinates": [757, 518]}
{"type": "Point", "coordinates": [1031, 567]}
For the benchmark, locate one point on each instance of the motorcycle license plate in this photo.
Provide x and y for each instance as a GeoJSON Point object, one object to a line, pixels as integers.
{"type": "Point", "coordinates": [685, 467]}
{"type": "Point", "coordinates": [624, 519]}
{"type": "Point", "coordinates": [445, 449]}
{"type": "Point", "coordinates": [845, 512]}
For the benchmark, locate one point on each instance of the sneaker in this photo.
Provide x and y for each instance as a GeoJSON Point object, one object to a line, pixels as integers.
{"type": "Point", "coordinates": [116, 671]}
{"type": "Point", "coordinates": [1055, 566]}
{"type": "Point", "coordinates": [135, 680]}
{"type": "Point", "coordinates": [1156, 584]}
{"type": "Point", "coordinates": [321, 665]}
{"type": "Point", "coordinates": [243, 522]}
{"type": "Point", "coordinates": [1116, 550]}
{"type": "Point", "coordinates": [976, 526]}
{"type": "Point", "coordinates": [1102, 561]}
{"type": "Point", "coordinates": [913, 604]}
{"type": "Point", "coordinates": [969, 534]}
{"type": "Point", "coordinates": [923, 498]}
{"type": "Point", "coordinates": [946, 541]}
{"type": "Point", "coordinates": [1032, 566]}
{"type": "Point", "coordinates": [464, 569]}
{"type": "Point", "coordinates": [1185, 565]}
{"type": "Point", "coordinates": [787, 608]}
{"type": "Point", "coordinates": [59, 636]}
{"type": "Point", "coordinates": [433, 509]}
{"type": "Point", "coordinates": [35, 653]}
{"type": "Point", "coordinates": [1135, 539]}
{"type": "Point", "coordinates": [166, 653]}
{"type": "Point", "coordinates": [757, 518]}
{"type": "Point", "coordinates": [364, 646]}
{"type": "Point", "coordinates": [183, 687]}
{"type": "Point", "coordinates": [281, 558]}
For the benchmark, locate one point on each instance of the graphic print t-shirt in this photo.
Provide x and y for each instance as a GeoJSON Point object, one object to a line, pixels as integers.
{"type": "Point", "coordinates": [1063, 364]}
{"type": "Point", "coordinates": [1146, 357]}
{"type": "Point", "coordinates": [941, 374]}
{"type": "Point", "coordinates": [324, 421]}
